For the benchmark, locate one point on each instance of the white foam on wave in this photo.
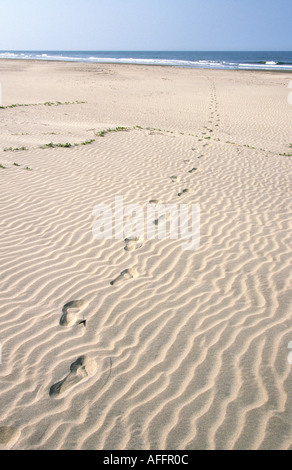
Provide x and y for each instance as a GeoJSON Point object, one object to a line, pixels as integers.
{"type": "Point", "coordinates": [203, 63]}
{"type": "Point", "coordinates": [266, 66]}
{"type": "Point", "coordinates": [123, 60]}
{"type": "Point", "coordinates": [8, 54]}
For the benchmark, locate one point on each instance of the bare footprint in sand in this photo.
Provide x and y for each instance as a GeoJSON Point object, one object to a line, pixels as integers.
{"type": "Point", "coordinates": [184, 191]}
{"type": "Point", "coordinates": [127, 274]}
{"type": "Point", "coordinates": [163, 217]}
{"type": "Point", "coordinates": [133, 243]}
{"type": "Point", "coordinates": [175, 178]}
{"type": "Point", "coordinates": [8, 436]}
{"type": "Point", "coordinates": [193, 169]}
{"type": "Point", "coordinates": [154, 202]}
{"type": "Point", "coordinates": [83, 368]}
{"type": "Point", "coordinates": [72, 313]}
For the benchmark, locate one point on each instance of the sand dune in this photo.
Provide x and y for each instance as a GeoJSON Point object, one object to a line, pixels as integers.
{"type": "Point", "coordinates": [134, 343]}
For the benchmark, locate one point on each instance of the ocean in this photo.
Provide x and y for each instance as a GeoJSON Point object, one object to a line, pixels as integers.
{"type": "Point", "coordinates": [239, 60]}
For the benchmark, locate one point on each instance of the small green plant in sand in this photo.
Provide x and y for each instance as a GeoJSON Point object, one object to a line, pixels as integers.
{"type": "Point", "coordinates": [47, 103]}
{"type": "Point", "coordinates": [87, 142]}
{"type": "Point", "coordinates": [285, 154]}
{"type": "Point", "coordinates": [107, 131]}
{"type": "Point", "coordinates": [60, 103]}
{"type": "Point", "coordinates": [248, 146]}
{"type": "Point", "coordinates": [16, 164]}
{"type": "Point", "coordinates": [1, 166]}
{"type": "Point", "coordinates": [52, 145]}
{"type": "Point", "coordinates": [15, 105]}
{"type": "Point", "coordinates": [66, 145]}
{"type": "Point", "coordinates": [102, 133]}
{"type": "Point", "coordinates": [16, 149]}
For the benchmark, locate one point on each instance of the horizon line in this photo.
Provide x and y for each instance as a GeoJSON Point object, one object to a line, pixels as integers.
{"type": "Point", "coordinates": [148, 50]}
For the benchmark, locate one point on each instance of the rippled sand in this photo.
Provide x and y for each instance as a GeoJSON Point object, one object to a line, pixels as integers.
{"type": "Point", "coordinates": [135, 343]}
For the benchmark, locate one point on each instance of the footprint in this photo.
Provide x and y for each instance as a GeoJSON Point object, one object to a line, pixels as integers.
{"type": "Point", "coordinates": [133, 243]}
{"type": "Point", "coordinates": [175, 178]}
{"type": "Point", "coordinates": [161, 218]}
{"type": "Point", "coordinates": [71, 313]}
{"type": "Point", "coordinates": [155, 201]}
{"type": "Point", "coordinates": [184, 191]}
{"type": "Point", "coordinates": [83, 368]}
{"type": "Point", "coordinates": [130, 273]}
{"type": "Point", "coordinates": [8, 435]}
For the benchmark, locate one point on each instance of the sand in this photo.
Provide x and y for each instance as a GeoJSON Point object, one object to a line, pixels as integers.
{"type": "Point", "coordinates": [133, 343]}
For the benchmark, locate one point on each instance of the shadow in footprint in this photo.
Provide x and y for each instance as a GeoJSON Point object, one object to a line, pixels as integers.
{"type": "Point", "coordinates": [193, 169]}
{"type": "Point", "coordinates": [184, 191]}
{"type": "Point", "coordinates": [83, 368]}
{"type": "Point", "coordinates": [71, 313]}
{"type": "Point", "coordinates": [175, 178]}
{"type": "Point", "coordinates": [127, 274]}
{"type": "Point", "coordinates": [154, 202]}
{"type": "Point", "coordinates": [133, 243]}
{"type": "Point", "coordinates": [162, 218]}
{"type": "Point", "coordinates": [8, 435]}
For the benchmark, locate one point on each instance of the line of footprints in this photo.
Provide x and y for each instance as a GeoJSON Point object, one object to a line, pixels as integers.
{"type": "Point", "coordinates": [85, 367]}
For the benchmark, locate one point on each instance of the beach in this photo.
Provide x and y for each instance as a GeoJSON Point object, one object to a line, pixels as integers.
{"type": "Point", "coordinates": [139, 344]}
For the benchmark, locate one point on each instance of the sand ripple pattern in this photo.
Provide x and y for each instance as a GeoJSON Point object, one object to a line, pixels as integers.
{"type": "Point", "coordinates": [188, 353]}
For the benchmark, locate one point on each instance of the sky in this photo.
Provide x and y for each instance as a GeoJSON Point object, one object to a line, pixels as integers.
{"type": "Point", "coordinates": [146, 25]}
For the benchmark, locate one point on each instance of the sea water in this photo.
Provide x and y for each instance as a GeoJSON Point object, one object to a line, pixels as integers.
{"type": "Point", "coordinates": [249, 60]}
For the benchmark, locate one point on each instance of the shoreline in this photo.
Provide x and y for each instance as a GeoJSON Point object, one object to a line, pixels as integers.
{"type": "Point", "coordinates": [54, 61]}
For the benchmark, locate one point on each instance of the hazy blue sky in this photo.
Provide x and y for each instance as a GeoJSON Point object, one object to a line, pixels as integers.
{"type": "Point", "coordinates": [146, 24]}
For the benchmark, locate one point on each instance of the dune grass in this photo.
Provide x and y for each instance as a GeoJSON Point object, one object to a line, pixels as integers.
{"type": "Point", "coordinates": [47, 103]}
{"type": "Point", "coordinates": [16, 149]}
